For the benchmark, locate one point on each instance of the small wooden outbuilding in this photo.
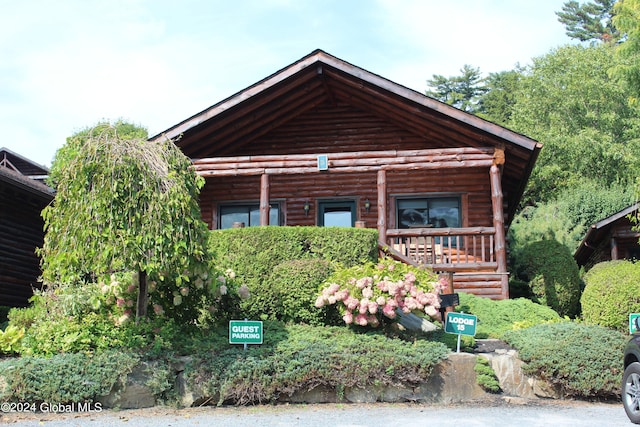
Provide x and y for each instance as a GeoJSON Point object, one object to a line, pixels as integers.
{"type": "Point", "coordinates": [612, 238]}
{"type": "Point", "coordinates": [23, 195]}
{"type": "Point", "coordinates": [323, 142]}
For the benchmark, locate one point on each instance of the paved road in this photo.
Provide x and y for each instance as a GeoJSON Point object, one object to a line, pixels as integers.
{"type": "Point", "coordinates": [499, 413]}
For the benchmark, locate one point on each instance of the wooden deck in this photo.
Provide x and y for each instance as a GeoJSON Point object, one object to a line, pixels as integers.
{"type": "Point", "coordinates": [467, 253]}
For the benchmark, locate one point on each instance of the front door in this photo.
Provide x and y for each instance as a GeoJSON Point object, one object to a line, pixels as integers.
{"type": "Point", "coordinates": [337, 213]}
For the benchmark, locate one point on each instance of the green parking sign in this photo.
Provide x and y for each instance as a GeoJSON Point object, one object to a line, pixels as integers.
{"type": "Point", "coordinates": [245, 332]}
{"type": "Point", "coordinates": [634, 323]}
{"type": "Point", "coordinates": [461, 324]}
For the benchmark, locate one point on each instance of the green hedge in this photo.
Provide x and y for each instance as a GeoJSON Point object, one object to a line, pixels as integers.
{"type": "Point", "coordinates": [552, 274]}
{"type": "Point", "coordinates": [497, 317]}
{"type": "Point", "coordinates": [268, 261]}
{"type": "Point", "coordinates": [581, 361]}
{"type": "Point", "coordinates": [612, 291]}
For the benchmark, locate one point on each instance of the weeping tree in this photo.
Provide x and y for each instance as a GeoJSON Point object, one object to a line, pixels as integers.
{"type": "Point", "coordinates": [126, 204]}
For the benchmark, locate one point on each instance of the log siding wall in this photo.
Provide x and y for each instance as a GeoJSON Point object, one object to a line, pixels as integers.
{"type": "Point", "coordinates": [20, 233]}
{"type": "Point", "coordinates": [340, 128]}
{"type": "Point", "coordinates": [292, 191]}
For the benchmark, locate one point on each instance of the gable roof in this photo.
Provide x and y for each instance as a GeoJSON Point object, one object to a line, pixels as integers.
{"type": "Point", "coordinates": [20, 172]}
{"type": "Point", "coordinates": [599, 231]}
{"type": "Point", "coordinates": [320, 78]}
{"type": "Point", "coordinates": [21, 164]}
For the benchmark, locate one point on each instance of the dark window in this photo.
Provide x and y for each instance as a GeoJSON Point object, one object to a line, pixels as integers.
{"type": "Point", "coordinates": [428, 212]}
{"type": "Point", "coordinates": [247, 214]}
{"type": "Point", "coordinates": [337, 213]}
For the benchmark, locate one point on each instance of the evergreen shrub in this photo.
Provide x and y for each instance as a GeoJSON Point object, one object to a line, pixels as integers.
{"type": "Point", "coordinates": [64, 378]}
{"type": "Point", "coordinates": [498, 316]}
{"type": "Point", "coordinates": [580, 361]}
{"type": "Point", "coordinates": [552, 274]}
{"type": "Point", "coordinates": [255, 254]}
{"type": "Point", "coordinates": [612, 291]}
{"type": "Point", "coordinates": [299, 358]}
{"type": "Point", "coordinates": [289, 294]}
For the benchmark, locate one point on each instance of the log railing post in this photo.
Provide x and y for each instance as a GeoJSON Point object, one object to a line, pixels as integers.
{"type": "Point", "coordinates": [264, 199]}
{"type": "Point", "coordinates": [382, 205]}
{"type": "Point", "coordinates": [498, 224]}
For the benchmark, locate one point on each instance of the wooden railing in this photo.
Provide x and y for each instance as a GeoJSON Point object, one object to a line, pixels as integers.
{"type": "Point", "coordinates": [446, 249]}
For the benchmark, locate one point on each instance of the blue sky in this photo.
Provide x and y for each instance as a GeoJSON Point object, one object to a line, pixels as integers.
{"type": "Point", "coordinates": [67, 64]}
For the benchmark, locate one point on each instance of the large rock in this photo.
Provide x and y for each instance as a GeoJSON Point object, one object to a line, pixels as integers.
{"type": "Point", "coordinates": [134, 393]}
{"type": "Point", "coordinates": [512, 379]}
{"type": "Point", "coordinates": [453, 381]}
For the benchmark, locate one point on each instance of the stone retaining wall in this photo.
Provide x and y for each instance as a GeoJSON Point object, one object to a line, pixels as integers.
{"type": "Point", "coordinates": [453, 381]}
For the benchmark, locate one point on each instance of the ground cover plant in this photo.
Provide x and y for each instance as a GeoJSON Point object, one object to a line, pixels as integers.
{"type": "Point", "coordinates": [580, 361]}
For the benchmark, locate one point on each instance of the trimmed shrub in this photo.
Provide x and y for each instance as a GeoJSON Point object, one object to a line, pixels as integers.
{"type": "Point", "coordinates": [580, 361]}
{"type": "Point", "coordinates": [289, 294]}
{"type": "Point", "coordinates": [552, 274]}
{"type": "Point", "coordinates": [612, 291]}
{"type": "Point", "coordinates": [495, 317]}
{"type": "Point", "coordinates": [254, 253]}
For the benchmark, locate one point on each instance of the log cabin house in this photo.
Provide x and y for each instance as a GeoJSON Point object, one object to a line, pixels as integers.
{"type": "Point", "coordinates": [23, 195]}
{"type": "Point", "coordinates": [325, 143]}
{"type": "Point", "coordinates": [611, 238]}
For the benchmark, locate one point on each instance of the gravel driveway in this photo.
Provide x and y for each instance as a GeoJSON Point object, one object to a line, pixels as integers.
{"type": "Point", "coordinates": [502, 412]}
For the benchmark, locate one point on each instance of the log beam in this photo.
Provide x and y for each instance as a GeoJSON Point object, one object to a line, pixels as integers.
{"type": "Point", "coordinates": [347, 162]}
{"type": "Point", "coordinates": [498, 224]}
{"type": "Point", "coordinates": [264, 199]}
{"type": "Point", "coordinates": [382, 205]}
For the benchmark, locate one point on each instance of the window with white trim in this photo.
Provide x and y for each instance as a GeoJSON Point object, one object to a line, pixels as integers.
{"type": "Point", "coordinates": [249, 214]}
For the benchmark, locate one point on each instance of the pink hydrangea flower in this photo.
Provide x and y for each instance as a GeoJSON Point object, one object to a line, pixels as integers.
{"type": "Point", "coordinates": [431, 311]}
{"type": "Point", "coordinates": [352, 303]}
{"type": "Point", "coordinates": [364, 306]}
{"type": "Point", "coordinates": [342, 295]}
{"type": "Point", "coordinates": [389, 311]}
{"type": "Point", "coordinates": [373, 307]}
{"type": "Point", "coordinates": [367, 292]}
{"type": "Point", "coordinates": [348, 317]}
{"type": "Point", "coordinates": [333, 288]}
{"type": "Point", "coordinates": [243, 292]}
{"type": "Point", "coordinates": [320, 302]}
{"type": "Point", "coordinates": [361, 320]}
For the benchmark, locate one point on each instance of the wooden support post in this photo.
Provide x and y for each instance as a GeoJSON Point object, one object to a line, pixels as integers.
{"type": "Point", "coordinates": [382, 205]}
{"type": "Point", "coordinates": [498, 223]}
{"type": "Point", "coordinates": [264, 199]}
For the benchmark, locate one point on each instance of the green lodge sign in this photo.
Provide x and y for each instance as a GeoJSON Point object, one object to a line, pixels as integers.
{"type": "Point", "coordinates": [461, 324]}
{"type": "Point", "coordinates": [245, 332]}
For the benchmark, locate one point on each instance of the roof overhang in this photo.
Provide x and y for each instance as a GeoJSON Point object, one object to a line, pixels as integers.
{"type": "Point", "coordinates": [598, 231]}
{"type": "Point", "coordinates": [320, 78]}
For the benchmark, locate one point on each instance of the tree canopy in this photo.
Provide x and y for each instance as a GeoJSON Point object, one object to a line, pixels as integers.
{"type": "Point", "coordinates": [124, 203]}
{"type": "Point", "coordinates": [591, 21]}
{"type": "Point", "coordinates": [463, 92]}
